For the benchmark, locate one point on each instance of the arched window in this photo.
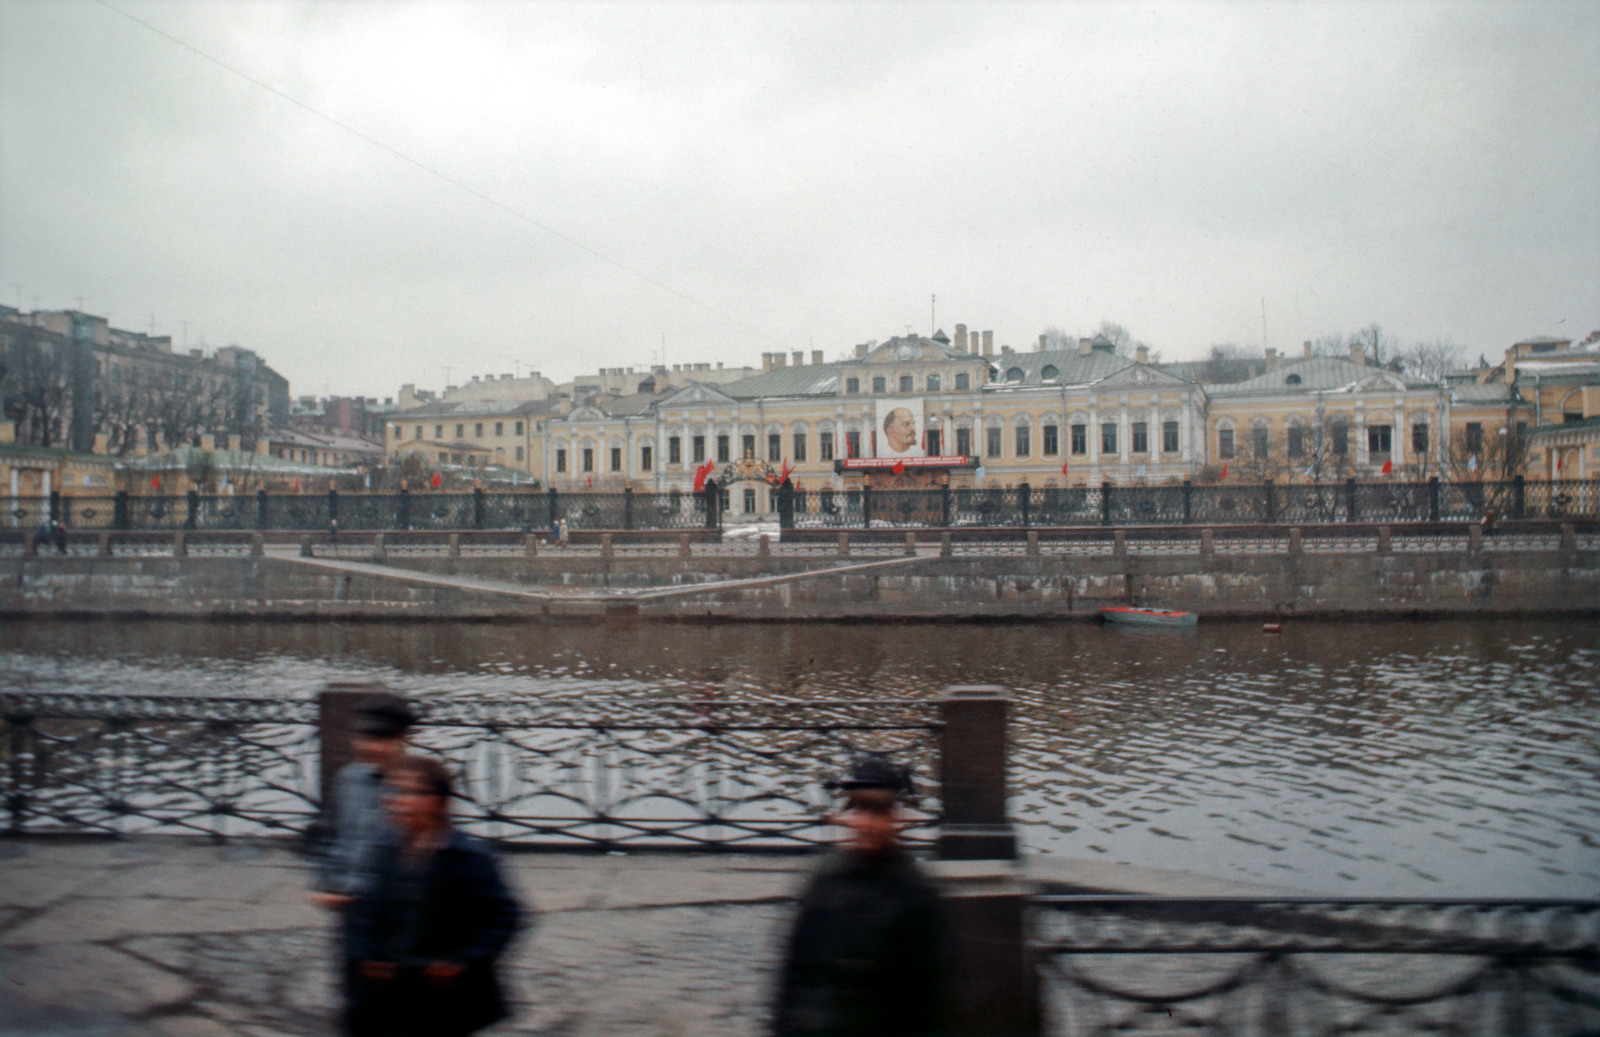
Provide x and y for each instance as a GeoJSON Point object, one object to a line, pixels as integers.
{"type": "Point", "coordinates": [1050, 372]}
{"type": "Point", "coordinates": [1293, 379]}
{"type": "Point", "coordinates": [1014, 374]}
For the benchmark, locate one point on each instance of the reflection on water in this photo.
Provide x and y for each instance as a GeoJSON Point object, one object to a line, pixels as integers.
{"type": "Point", "coordinates": [1445, 758]}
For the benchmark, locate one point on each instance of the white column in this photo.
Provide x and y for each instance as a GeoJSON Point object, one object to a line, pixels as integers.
{"type": "Point", "coordinates": [46, 482]}
{"type": "Point", "coordinates": [1358, 429]}
{"type": "Point", "coordinates": [1184, 436]}
{"type": "Point", "coordinates": [1094, 435]}
{"type": "Point", "coordinates": [1122, 432]}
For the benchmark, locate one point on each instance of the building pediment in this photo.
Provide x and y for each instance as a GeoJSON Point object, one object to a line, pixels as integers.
{"type": "Point", "coordinates": [1381, 383]}
{"type": "Point", "coordinates": [907, 350]}
{"type": "Point", "coordinates": [1139, 375]}
{"type": "Point", "coordinates": [696, 394]}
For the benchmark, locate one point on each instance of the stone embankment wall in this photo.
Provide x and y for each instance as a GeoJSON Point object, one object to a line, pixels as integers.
{"type": "Point", "coordinates": [985, 587]}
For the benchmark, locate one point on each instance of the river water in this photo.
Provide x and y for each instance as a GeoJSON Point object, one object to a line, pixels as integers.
{"type": "Point", "coordinates": [1405, 758]}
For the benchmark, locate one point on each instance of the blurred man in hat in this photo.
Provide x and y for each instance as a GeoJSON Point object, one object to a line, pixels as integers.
{"type": "Point", "coordinates": [867, 953]}
{"type": "Point", "coordinates": [427, 930]}
{"type": "Point", "coordinates": [356, 811]}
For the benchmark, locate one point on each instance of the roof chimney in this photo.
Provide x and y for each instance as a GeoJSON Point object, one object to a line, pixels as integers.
{"type": "Point", "coordinates": [988, 343]}
{"type": "Point", "coordinates": [1142, 354]}
{"type": "Point", "coordinates": [961, 337]}
{"type": "Point", "coordinates": [779, 360]}
{"type": "Point", "coordinates": [816, 356]}
{"type": "Point", "coordinates": [1272, 359]}
{"type": "Point", "coordinates": [1005, 350]}
{"type": "Point", "coordinates": [766, 361]}
{"type": "Point", "coordinates": [1358, 355]}
{"type": "Point", "coordinates": [799, 357]}
{"type": "Point", "coordinates": [1305, 350]}
{"type": "Point", "coordinates": [1085, 346]}
{"type": "Point", "coordinates": [861, 349]}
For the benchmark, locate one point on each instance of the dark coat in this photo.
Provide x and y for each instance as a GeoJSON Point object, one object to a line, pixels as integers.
{"type": "Point", "coordinates": [464, 914]}
{"type": "Point", "coordinates": [868, 952]}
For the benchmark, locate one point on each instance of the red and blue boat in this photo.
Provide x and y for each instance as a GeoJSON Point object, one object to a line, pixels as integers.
{"type": "Point", "coordinates": [1147, 617]}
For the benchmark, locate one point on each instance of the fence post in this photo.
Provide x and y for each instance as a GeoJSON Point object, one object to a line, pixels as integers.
{"type": "Point", "coordinates": [55, 504]}
{"type": "Point", "coordinates": [454, 548]}
{"type": "Point", "coordinates": [713, 498]}
{"type": "Point", "coordinates": [972, 774]}
{"type": "Point", "coordinates": [1105, 502]}
{"type": "Point", "coordinates": [1475, 538]}
{"type": "Point", "coordinates": [180, 546]}
{"type": "Point", "coordinates": [402, 508]}
{"type": "Point", "coordinates": [333, 506]}
{"type": "Point", "coordinates": [785, 505]}
{"type": "Point", "coordinates": [261, 509]}
{"type": "Point", "coordinates": [911, 544]}
{"type": "Point", "coordinates": [1296, 540]}
{"type": "Point", "coordinates": [944, 504]}
{"type": "Point", "coordinates": [1385, 540]}
{"type": "Point", "coordinates": [1208, 543]}
{"type": "Point", "coordinates": [1433, 498]}
{"type": "Point", "coordinates": [305, 545]}
{"type": "Point", "coordinates": [605, 545]}
{"type": "Point", "coordinates": [1270, 499]}
{"type": "Point", "coordinates": [1119, 544]}
{"type": "Point", "coordinates": [1519, 498]}
{"type": "Point", "coordinates": [104, 546]}
{"type": "Point", "coordinates": [763, 547]}
{"type": "Point", "coordinates": [530, 545]}
{"type": "Point", "coordinates": [119, 511]}
{"type": "Point", "coordinates": [380, 548]}
{"type": "Point", "coordinates": [477, 507]}
{"type": "Point", "coordinates": [627, 507]}
{"type": "Point", "coordinates": [193, 517]}
{"type": "Point", "coordinates": [684, 550]}
{"type": "Point", "coordinates": [844, 545]}
{"type": "Point", "coordinates": [866, 505]}
{"type": "Point", "coordinates": [1569, 540]}
{"type": "Point", "coordinates": [1350, 499]}
{"type": "Point", "coordinates": [337, 703]}
{"type": "Point", "coordinates": [553, 506]}
{"type": "Point", "coordinates": [1025, 498]}
{"type": "Point", "coordinates": [1033, 542]}
{"type": "Point", "coordinates": [945, 548]}
{"type": "Point", "coordinates": [994, 984]}
{"type": "Point", "coordinates": [1188, 501]}
{"type": "Point", "coordinates": [258, 545]}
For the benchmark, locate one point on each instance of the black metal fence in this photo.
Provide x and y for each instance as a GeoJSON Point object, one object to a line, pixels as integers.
{"type": "Point", "coordinates": [579, 773]}
{"type": "Point", "coordinates": [1289, 966]}
{"type": "Point", "coordinates": [1107, 505]}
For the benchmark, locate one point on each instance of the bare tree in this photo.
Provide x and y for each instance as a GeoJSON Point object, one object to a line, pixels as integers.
{"type": "Point", "coordinates": [1120, 337]}
{"type": "Point", "coordinates": [1057, 338]}
{"type": "Point", "coordinates": [1379, 346]}
{"type": "Point", "coordinates": [35, 389]}
{"type": "Point", "coordinates": [1430, 360]}
{"type": "Point", "coordinates": [1226, 362]}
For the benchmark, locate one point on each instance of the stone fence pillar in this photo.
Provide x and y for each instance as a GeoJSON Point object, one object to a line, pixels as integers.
{"type": "Point", "coordinates": [972, 774]}
{"type": "Point", "coordinates": [684, 550]}
{"type": "Point", "coordinates": [1208, 543]}
{"type": "Point", "coordinates": [911, 544]}
{"type": "Point", "coordinates": [530, 545]}
{"type": "Point", "coordinates": [844, 545]}
{"type": "Point", "coordinates": [1474, 539]}
{"type": "Point", "coordinates": [1296, 540]}
{"type": "Point", "coordinates": [1033, 542]}
{"type": "Point", "coordinates": [336, 707]}
{"type": "Point", "coordinates": [946, 549]}
{"type": "Point", "coordinates": [1385, 540]}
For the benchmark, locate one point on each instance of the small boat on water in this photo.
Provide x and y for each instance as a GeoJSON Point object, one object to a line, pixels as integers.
{"type": "Point", "coordinates": [1147, 617]}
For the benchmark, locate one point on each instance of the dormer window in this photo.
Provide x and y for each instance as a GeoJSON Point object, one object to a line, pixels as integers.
{"type": "Point", "coordinates": [1050, 372]}
{"type": "Point", "coordinates": [1293, 379]}
{"type": "Point", "coordinates": [1013, 374]}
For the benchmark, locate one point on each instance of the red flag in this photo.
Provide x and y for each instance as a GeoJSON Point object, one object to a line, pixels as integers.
{"type": "Point", "coordinates": [1064, 467]}
{"type": "Point", "coordinates": [787, 468]}
{"type": "Point", "coordinates": [435, 482]}
{"type": "Point", "coordinates": [899, 466]}
{"type": "Point", "coordinates": [1560, 459]}
{"type": "Point", "coordinates": [155, 483]}
{"type": "Point", "coordinates": [1388, 467]}
{"type": "Point", "coordinates": [701, 474]}
{"type": "Point", "coordinates": [297, 485]}
{"type": "Point", "coordinates": [1224, 474]}
{"type": "Point", "coordinates": [588, 482]}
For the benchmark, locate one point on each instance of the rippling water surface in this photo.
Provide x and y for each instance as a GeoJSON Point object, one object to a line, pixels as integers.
{"type": "Point", "coordinates": [1442, 758]}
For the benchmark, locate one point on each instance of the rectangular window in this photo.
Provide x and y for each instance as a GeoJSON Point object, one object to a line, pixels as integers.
{"type": "Point", "coordinates": [723, 446]}
{"type": "Point", "coordinates": [964, 442]}
{"type": "Point", "coordinates": [1224, 442]}
{"type": "Point", "coordinates": [907, 383]}
{"type": "Point", "coordinates": [1052, 441]}
{"type": "Point", "coordinates": [880, 384]}
{"type": "Point", "coordinates": [1341, 440]}
{"type": "Point", "coordinates": [935, 442]}
{"type": "Point", "coordinates": [1378, 439]}
{"type": "Point", "coordinates": [933, 383]}
{"type": "Point", "coordinates": [799, 447]}
{"type": "Point", "coordinates": [1297, 441]}
{"type": "Point", "coordinates": [419, 433]}
{"type": "Point", "coordinates": [1419, 439]}
{"type": "Point", "coordinates": [477, 430]}
{"type": "Point", "coordinates": [499, 428]}
{"type": "Point", "coordinates": [852, 444]}
{"type": "Point", "coordinates": [1169, 437]}
{"type": "Point", "coordinates": [963, 381]}
{"type": "Point", "coordinates": [1108, 437]}
{"type": "Point", "coordinates": [1141, 437]}
{"type": "Point", "coordinates": [747, 446]}
{"type": "Point", "coordinates": [518, 431]}
{"type": "Point", "coordinates": [588, 459]}
{"type": "Point", "coordinates": [1023, 437]}
{"type": "Point", "coordinates": [825, 446]}
{"type": "Point", "coordinates": [699, 449]}
{"type": "Point", "coordinates": [1474, 436]}
{"type": "Point", "coordinates": [1258, 441]}
{"type": "Point", "coordinates": [561, 459]}
{"type": "Point", "coordinates": [852, 385]}
{"type": "Point", "coordinates": [749, 502]}
{"type": "Point", "coordinates": [519, 453]}
{"type": "Point", "coordinates": [991, 442]}
{"type": "Point", "coordinates": [438, 432]}
{"type": "Point", "coordinates": [444, 457]}
{"type": "Point", "coordinates": [774, 446]}
{"type": "Point", "coordinates": [1080, 440]}
{"type": "Point", "coordinates": [646, 457]}
{"type": "Point", "coordinates": [674, 450]}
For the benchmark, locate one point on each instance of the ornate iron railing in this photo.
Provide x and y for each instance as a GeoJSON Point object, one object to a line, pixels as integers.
{"type": "Point", "coordinates": [1290, 966]}
{"type": "Point", "coordinates": [601, 772]}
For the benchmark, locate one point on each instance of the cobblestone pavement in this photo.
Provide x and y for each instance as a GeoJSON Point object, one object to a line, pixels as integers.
{"type": "Point", "coordinates": [156, 937]}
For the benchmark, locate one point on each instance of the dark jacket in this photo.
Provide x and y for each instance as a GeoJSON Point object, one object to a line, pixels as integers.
{"type": "Point", "coordinates": [459, 911]}
{"type": "Point", "coordinates": [868, 953]}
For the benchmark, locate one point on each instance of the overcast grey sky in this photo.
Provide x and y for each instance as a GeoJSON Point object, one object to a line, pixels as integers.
{"type": "Point", "coordinates": [807, 175]}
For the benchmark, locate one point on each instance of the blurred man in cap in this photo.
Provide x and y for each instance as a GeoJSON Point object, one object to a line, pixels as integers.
{"type": "Point", "coordinates": [867, 953]}
{"type": "Point", "coordinates": [356, 811]}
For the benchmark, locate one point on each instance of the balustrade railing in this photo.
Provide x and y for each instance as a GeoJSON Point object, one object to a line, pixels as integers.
{"type": "Point", "coordinates": [1300, 965]}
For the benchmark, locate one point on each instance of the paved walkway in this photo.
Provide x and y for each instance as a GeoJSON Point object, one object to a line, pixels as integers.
{"type": "Point", "coordinates": [163, 937]}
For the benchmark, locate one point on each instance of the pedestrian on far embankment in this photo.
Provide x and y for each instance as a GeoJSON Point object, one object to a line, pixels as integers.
{"type": "Point", "coordinates": [428, 930]}
{"type": "Point", "coordinates": [358, 819]}
{"type": "Point", "coordinates": [867, 957]}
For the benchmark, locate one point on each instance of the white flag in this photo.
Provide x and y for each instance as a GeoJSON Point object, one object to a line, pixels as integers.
{"type": "Point", "coordinates": [369, 480]}
{"type": "Point", "coordinates": [1472, 463]}
{"type": "Point", "coordinates": [1140, 473]}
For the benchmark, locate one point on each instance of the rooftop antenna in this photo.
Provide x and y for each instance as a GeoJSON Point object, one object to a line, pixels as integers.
{"type": "Point", "coordinates": [933, 313]}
